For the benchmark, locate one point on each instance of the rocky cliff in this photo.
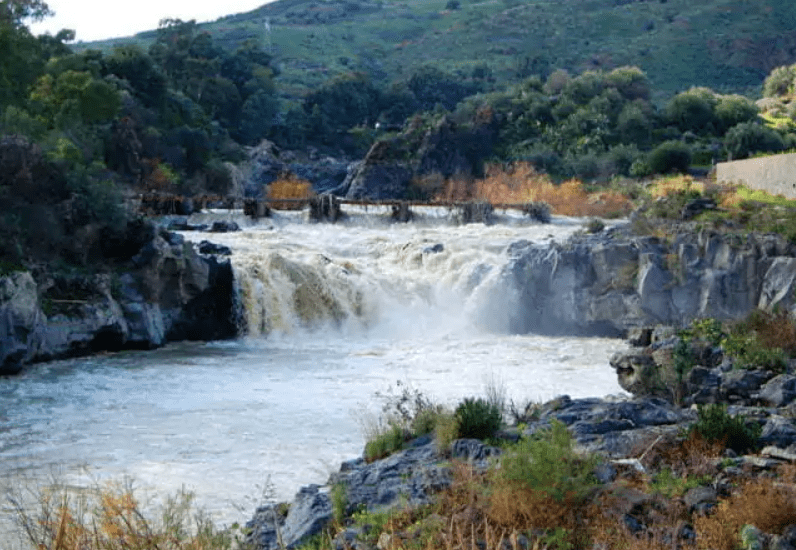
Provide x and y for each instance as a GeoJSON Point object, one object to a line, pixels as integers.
{"type": "Point", "coordinates": [607, 283]}
{"type": "Point", "coordinates": [166, 291]}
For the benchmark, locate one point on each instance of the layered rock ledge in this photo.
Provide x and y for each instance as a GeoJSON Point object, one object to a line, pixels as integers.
{"type": "Point", "coordinates": [166, 292]}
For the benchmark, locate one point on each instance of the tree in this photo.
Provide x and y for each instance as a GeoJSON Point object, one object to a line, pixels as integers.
{"type": "Point", "coordinates": [669, 156]}
{"type": "Point", "coordinates": [693, 110]}
{"type": "Point", "coordinates": [135, 66]}
{"type": "Point", "coordinates": [732, 110]}
{"type": "Point", "coordinates": [780, 82]}
{"type": "Point", "coordinates": [14, 12]}
{"type": "Point", "coordinates": [748, 138]}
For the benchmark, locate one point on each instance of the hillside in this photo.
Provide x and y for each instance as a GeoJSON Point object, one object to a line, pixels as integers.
{"type": "Point", "coordinates": [727, 45]}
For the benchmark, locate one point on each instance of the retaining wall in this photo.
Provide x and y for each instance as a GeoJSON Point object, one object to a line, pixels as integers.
{"type": "Point", "coordinates": [775, 174]}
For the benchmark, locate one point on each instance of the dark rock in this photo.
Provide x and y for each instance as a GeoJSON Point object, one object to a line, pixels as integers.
{"type": "Point", "coordinates": [700, 499]}
{"type": "Point", "coordinates": [742, 382]}
{"type": "Point", "coordinates": [224, 227]}
{"type": "Point", "coordinates": [779, 391]}
{"type": "Point", "coordinates": [183, 225]}
{"type": "Point", "coordinates": [779, 432]}
{"type": "Point", "coordinates": [639, 337]}
{"type": "Point", "coordinates": [310, 511]}
{"type": "Point", "coordinates": [472, 450]}
{"type": "Point", "coordinates": [206, 247]}
{"type": "Point", "coordinates": [435, 249]}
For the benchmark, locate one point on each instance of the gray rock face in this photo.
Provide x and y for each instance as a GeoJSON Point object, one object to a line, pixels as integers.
{"type": "Point", "coordinates": [608, 283]}
{"type": "Point", "coordinates": [170, 292]}
{"type": "Point", "coordinates": [20, 321]}
{"type": "Point", "coordinates": [409, 477]}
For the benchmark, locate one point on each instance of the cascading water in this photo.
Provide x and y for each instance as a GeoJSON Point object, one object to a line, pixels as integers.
{"type": "Point", "coordinates": [333, 315]}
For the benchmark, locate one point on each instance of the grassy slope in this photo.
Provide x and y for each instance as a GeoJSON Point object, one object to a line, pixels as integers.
{"type": "Point", "coordinates": [728, 45]}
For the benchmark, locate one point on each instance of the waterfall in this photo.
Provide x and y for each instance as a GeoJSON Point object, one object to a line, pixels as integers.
{"type": "Point", "coordinates": [367, 273]}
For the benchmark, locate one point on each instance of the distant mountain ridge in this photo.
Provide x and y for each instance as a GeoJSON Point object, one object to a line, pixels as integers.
{"type": "Point", "coordinates": [727, 45]}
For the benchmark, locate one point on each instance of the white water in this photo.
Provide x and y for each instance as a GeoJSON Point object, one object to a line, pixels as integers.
{"type": "Point", "coordinates": [336, 313]}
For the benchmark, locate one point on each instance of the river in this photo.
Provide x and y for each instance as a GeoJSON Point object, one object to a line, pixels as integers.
{"type": "Point", "coordinates": [335, 316]}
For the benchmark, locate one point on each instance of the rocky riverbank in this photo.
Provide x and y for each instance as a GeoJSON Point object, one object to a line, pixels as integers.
{"type": "Point", "coordinates": [658, 475]}
{"type": "Point", "coordinates": [166, 291]}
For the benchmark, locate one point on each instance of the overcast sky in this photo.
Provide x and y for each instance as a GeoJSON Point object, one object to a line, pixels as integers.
{"type": "Point", "coordinates": [94, 20]}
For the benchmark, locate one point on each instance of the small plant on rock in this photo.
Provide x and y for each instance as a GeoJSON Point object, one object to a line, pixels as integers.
{"type": "Point", "coordinates": [716, 425]}
{"type": "Point", "coordinates": [478, 418]}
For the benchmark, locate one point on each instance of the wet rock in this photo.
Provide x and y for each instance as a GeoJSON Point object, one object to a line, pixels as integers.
{"type": "Point", "coordinates": [206, 247]}
{"type": "Point", "coordinates": [223, 226]}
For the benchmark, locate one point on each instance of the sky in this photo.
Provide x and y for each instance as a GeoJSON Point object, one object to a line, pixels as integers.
{"type": "Point", "coordinates": [94, 20]}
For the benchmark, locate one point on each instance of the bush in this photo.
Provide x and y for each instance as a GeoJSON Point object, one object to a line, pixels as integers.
{"type": "Point", "coordinates": [748, 138]}
{"type": "Point", "coordinates": [714, 424]}
{"type": "Point", "coordinates": [478, 418]}
{"type": "Point", "coordinates": [750, 353]}
{"type": "Point", "coordinates": [548, 463]}
{"type": "Point", "coordinates": [385, 443]}
{"type": "Point", "coordinates": [669, 156]}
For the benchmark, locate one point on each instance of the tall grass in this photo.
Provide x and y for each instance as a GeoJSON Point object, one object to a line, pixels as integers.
{"type": "Point", "coordinates": [111, 517]}
{"type": "Point", "coordinates": [520, 183]}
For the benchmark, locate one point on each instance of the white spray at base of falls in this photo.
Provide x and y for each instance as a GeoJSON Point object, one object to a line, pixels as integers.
{"type": "Point", "coordinates": [367, 274]}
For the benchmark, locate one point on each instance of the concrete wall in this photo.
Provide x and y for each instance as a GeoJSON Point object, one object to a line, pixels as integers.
{"type": "Point", "coordinates": [775, 174]}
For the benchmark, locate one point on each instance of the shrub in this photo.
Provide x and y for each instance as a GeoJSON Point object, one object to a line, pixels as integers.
{"type": "Point", "coordinates": [746, 139]}
{"type": "Point", "coordinates": [669, 156]}
{"type": "Point", "coordinates": [382, 444]}
{"type": "Point", "coordinates": [768, 504]}
{"type": "Point", "coordinates": [478, 418]}
{"type": "Point", "coordinates": [547, 462]}
{"type": "Point", "coordinates": [446, 431]}
{"type": "Point", "coordinates": [714, 424]}
{"type": "Point", "coordinates": [780, 81]}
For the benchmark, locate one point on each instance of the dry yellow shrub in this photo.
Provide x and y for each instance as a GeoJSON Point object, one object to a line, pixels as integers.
{"type": "Point", "coordinates": [292, 188]}
{"type": "Point", "coordinates": [768, 504]}
{"type": "Point", "coordinates": [520, 184]}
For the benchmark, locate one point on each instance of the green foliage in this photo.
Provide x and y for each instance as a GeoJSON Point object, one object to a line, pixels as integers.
{"type": "Point", "coordinates": [547, 462]}
{"type": "Point", "coordinates": [385, 443]}
{"type": "Point", "coordinates": [446, 430]}
{"type": "Point", "coordinates": [714, 424]}
{"type": "Point", "coordinates": [748, 138]}
{"type": "Point", "coordinates": [666, 483]}
{"type": "Point", "coordinates": [669, 156]}
{"type": "Point", "coordinates": [693, 110]}
{"type": "Point", "coordinates": [748, 352]}
{"type": "Point", "coordinates": [709, 329]}
{"type": "Point", "coordinates": [732, 110]}
{"type": "Point", "coordinates": [780, 82]}
{"type": "Point", "coordinates": [339, 498]}
{"type": "Point", "coordinates": [478, 418]}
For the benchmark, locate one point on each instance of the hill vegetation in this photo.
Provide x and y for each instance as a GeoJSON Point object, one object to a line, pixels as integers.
{"type": "Point", "coordinates": [168, 112]}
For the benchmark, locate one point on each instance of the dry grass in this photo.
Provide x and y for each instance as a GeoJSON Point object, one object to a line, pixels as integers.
{"type": "Point", "coordinates": [768, 504]}
{"type": "Point", "coordinates": [520, 183]}
{"type": "Point", "coordinates": [289, 186]}
{"type": "Point", "coordinates": [773, 330]}
{"type": "Point", "coordinates": [111, 517]}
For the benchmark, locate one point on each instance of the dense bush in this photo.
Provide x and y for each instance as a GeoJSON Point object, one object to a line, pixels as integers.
{"type": "Point", "coordinates": [669, 156]}
{"type": "Point", "coordinates": [478, 418]}
{"type": "Point", "coordinates": [714, 424]}
{"type": "Point", "coordinates": [748, 138]}
{"type": "Point", "coordinates": [547, 462]}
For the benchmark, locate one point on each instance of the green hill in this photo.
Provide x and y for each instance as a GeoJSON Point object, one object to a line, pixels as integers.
{"type": "Point", "coordinates": [727, 45]}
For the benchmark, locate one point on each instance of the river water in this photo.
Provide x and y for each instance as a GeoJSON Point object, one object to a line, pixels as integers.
{"type": "Point", "coordinates": [336, 315]}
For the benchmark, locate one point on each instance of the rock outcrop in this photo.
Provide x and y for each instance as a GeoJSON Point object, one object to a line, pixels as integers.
{"type": "Point", "coordinates": [166, 292]}
{"type": "Point", "coordinates": [443, 150]}
{"type": "Point", "coordinates": [606, 284]}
